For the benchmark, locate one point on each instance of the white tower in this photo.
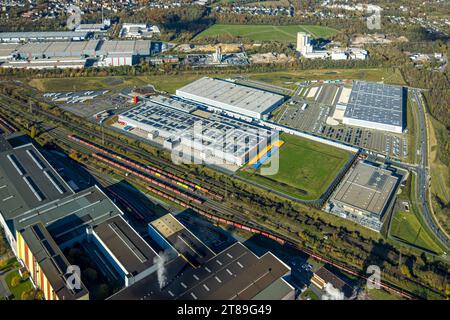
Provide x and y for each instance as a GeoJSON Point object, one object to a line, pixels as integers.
{"type": "Point", "coordinates": [218, 55]}
{"type": "Point", "coordinates": [303, 44]}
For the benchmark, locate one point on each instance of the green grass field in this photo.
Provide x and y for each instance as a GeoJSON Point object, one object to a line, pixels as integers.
{"type": "Point", "coordinates": [306, 168]}
{"type": "Point", "coordinates": [171, 82]}
{"type": "Point", "coordinates": [23, 286]}
{"type": "Point", "coordinates": [288, 78]}
{"type": "Point", "coordinates": [262, 33]}
{"type": "Point", "coordinates": [407, 227]}
{"type": "Point", "coordinates": [167, 83]}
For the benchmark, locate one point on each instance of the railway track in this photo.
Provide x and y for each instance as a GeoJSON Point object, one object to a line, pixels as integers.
{"type": "Point", "coordinates": [238, 220]}
{"type": "Point", "coordinates": [163, 164]}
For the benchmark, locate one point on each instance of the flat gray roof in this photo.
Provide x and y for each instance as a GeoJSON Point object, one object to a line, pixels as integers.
{"type": "Point", "coordinates": [43, 34]}
{"type": "Point", "coordinates": [367, 188]}
{"type": "Point", "coordinates": [228, 93]}
{"type": "Point", "coordinates": [27, 180]}
{"type": "Point", "coordinates": [136, 47]}
{"type": "Point", "coordinates": [374, 102]}
{"type": "Point", "coordinates": [125, 245]}
{"type": "Point", "coordinates": [77, 48]}
{"type": "Point", "coordinates": [29, 194]}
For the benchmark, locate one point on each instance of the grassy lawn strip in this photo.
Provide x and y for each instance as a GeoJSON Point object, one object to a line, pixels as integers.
{"type": "Point", "coordinates": [306, 168]}
{"type": "Point", "coordinates": [167, 83]}
{"type": "Point", "coordinates": [379, 294]}
{"type": "Point", "coordinates": [407, 227]}
{"type": "Point", "coordinates": [170, 83]}
{"type": "Point", "coordinates": [23, 286]}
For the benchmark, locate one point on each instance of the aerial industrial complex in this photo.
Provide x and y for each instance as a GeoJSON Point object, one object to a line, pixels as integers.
{"type": "Point", "coordinates": [365, 194]}
{"type": "Point", "coordinates": [185, 151]}
{"type": "Point", "coordinates": [181, 125]}
{"type": "Point", "coordinates": [376, 106]}
{"type": "Point", "coordinates": [43, 216]}
{"type": "Point", "coordinates": [230, 97]}
{"type": "Point", "coordinates": [74, 54]}
{"type": "Point", "coordinates": [305, 47]}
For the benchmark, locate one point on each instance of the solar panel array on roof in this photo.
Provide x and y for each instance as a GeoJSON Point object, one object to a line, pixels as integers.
{"type": "Point", "coordinates": [49, 260]}
{"type": "Point", "coordinates": [33, 186]}
{"type": "Point", "coordinates": [56, 183]}
{"type": "Point", "coordinates": [17, 165]}
{"type": "Point", "coordinates": [376, 102]}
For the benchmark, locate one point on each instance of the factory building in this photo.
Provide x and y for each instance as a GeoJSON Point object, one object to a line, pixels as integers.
{"type": "Point", "coordinates": [365, 194]}
{"type": "Point", "coordinates": [233, 98]}
{"type": "Point", "coordinates": [42, 216]}
{"type": "Point", "coordinates": [173, 122]}
{"type": "Point", "coordinates": [376, 106]}
{"type": "Point", "coordinates": [40, 36]}
{"type": "Point", "coordinates": [338, 55]}
{"type": "Point", "coordinates": [194, 272]}
{"type": "Point", "coordinates": [74, 54]}
{"type": "Point", "coordinates": [306, 49]}
{"type": "Point", "coordinates": [60, 63]}
{"type": "Point", "coordinates": [129, 254]}
{"type": "Point", "coordinates": [322, 278]}
{"type": "Point", "coordinates": [138, 30]}
{"type": "Point", "coordinates": [46, 264]}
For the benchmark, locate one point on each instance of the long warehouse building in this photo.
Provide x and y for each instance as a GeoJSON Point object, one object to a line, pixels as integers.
{"type": "Point", "coordinates": [376, 106]}
{"type": "Point", "coordinates": [230, 97]}
{"type": "Point", "coordinates": [176, 123]}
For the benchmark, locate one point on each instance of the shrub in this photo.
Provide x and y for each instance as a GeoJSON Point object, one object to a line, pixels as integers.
{"type": "Point", "coordinates": [15, 281]}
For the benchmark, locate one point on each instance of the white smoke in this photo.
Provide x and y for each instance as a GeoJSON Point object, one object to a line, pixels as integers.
{"type": "Point", "coordinates": [161, 272]}
{"type": "Point", "coordinates": [331, 293]}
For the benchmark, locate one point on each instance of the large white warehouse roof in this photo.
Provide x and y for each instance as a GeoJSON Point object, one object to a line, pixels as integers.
{"type": "Point", "coordinates": [231, 97]}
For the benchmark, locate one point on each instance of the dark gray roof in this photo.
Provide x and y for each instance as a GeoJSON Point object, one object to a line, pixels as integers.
{"type": "Point", "coordinates": [27, 180]}
{"type": "Point", "coordinates": [235, 273]}
{"type": "Point", "coordinates": [125, 245]}
{"type": "Point", "coordinates": [51, 261]}
{"type": "Point", "coordinates": [45, 197]}
{"type": "Point", "coordinates": [376, 102]}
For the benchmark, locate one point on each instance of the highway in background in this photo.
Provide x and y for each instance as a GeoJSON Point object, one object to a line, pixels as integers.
{"type": "Point", "coordinates": [422, 174]}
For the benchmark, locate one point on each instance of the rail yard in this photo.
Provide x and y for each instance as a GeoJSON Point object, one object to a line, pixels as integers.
{"type": "Point", "coordinates": [159, 177]}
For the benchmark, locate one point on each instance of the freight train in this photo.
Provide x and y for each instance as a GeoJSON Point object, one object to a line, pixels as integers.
{"type": "Point", "coordinates": [149, 169]}
{"type": "Point", "coordinates": [158, 183]}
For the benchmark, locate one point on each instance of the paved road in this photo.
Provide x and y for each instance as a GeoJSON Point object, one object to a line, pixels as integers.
{"type": "Point", "coordinates": [422, 176]}
{"type": "Point", "coordinates": [4, 290]}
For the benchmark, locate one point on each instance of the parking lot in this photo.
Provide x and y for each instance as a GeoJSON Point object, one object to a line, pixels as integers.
{"type": "Point", "coordinates": [321, 105]}
{"type": "Point", "coordinates": [86, 104]}
{"type": "Point", "coordinates": [309, 119]}
{"type": "Point", "coordinates": [390, 144]}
